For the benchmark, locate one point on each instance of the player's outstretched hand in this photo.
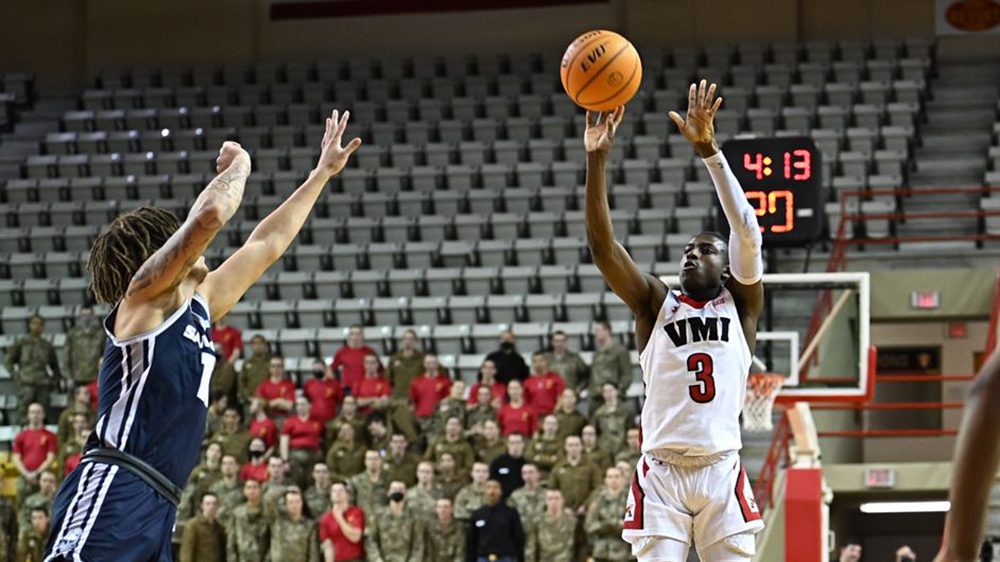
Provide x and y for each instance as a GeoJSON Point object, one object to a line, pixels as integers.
{"type": "Point", "coordinates": [333, 157]}
{"type": "Point", "coordinates": [699, 125]}
{"type": "Point", "coordinates": [600, 134]}
{"type": "Point", "coordinates": [228, 154]}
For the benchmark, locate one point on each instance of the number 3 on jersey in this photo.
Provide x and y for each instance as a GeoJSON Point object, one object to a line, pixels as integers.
{"type": "Point", "coordinates": [701, 365]}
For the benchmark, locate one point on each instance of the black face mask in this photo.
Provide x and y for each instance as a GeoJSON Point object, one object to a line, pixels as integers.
{"type": "Point", "coordinates": [396, 497]}
{"type": "Point", "coordinates": [318, 373]}
{"type": "Point", "coordinates": [256, 454]}
{"type": "Point", "coordinates": [907, 559]}
{"type": "Point", "coordinates": [507, 347]}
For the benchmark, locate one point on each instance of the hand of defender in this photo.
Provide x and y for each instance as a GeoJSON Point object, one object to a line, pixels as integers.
{"type": "Point", "coordinates": [333, 157]}
{"type": "Point", "coordinates": [600, 134]}
{"type": "Point", "coordinates": [228, 154]}
{"type": "Point", "coordinates": [699, 126]}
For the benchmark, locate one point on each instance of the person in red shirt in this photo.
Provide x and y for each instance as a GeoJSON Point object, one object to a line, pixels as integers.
{"type": "Point", "coordinates": [487, 378]}
{"type": "Point", "coordinates": [34, 450]}
{"type": "Point", "coordinates": [543, 387]}
{"type": "Point", "coordinates": [349, 361]}
{"type": "Point", "coordinates": [516, 416]}
{"type": "Point", "coordinates": [374, 389]}
{"type": "Point", "coordinates": [256, 468]}
{"type": "Point", "coordinates": [324, 392]}
{"type": "Point", "coordinates": [230, 337]}
{"type": "Point", "coordinates": [300, 441]}
{"type": "Point", "coordinates": [262, 426]}
{"type": "Point", "coordinates": [428, 389]}
{"type": "Point", "coordinates": [277, 391]}
{"type": "Point", "coordinates": [342, 529]}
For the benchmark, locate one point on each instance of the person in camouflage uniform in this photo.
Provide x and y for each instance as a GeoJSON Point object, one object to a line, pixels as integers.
{"type": "Point", "coordinates": [480, 412]}
{"type": "Point", "coordinates": [247, 538]}
{"type": "Point", "coordinates": [470, 497]}
{"type": "Point", "coordinates": [445, 536]}
{"type": "Point", "coordinates": [8, 524]}
{"type": "Point", "coordinates": [454, 443]}
{"type": "Point", "coordinates": [80, 405]}
{"type": "Point", "coordinates": [611, 364]}
{"type": "Point", "coordinates": [318, 495]}
{"type": "Point", "coordinates": [552, 539]}
{"type": "Point", "coordinates": [378, 433]}
{"type": "Point", "coordinates": [294, 535]}
{"type": "Point", "coordinates": [273, 497]}
{"type": "Point", "coordinates": [346, 457]}
{"type": "Point", "coordinates": [84, 347]}
{"type": "Point", "coordinates": [255, 369]}
{"type": "Point", "coordinates": [603, 522]}
{"type": "Point", "coordinates": [545, 449]}
{"type": "Point", "coordinates": [228, 488]}
{"type": "Point", "coordinates": [42, 499]}
{"type": "Point", "coordinates": [215, 414]}
{"type": "Point", "coordinates": [224, 377]}
{"type": "Point", "coordinates": [423, 497]}
{"type": "Point", "coordinates": [232, 437]}
{"type": "Point", "coordinates": [74, 444]}
{"type": "Point", "coordinates": [28, 361]}
{"type": "Point", "coordinates": [592, 451]}
{"type": "Point", "coordinates": [451, 407]}
{"type": "Point", "coordinates": [632, 450]}
{"type": "Point", "coordinates": [574, 477]}
{"type": "Point", "coordinates": [348, 415]}
{"type": "Point", "coordinates": [448, 476]}
{"type": "Point", "coordinates": [369, 487]}
{"type": "Point", "coordinates": [566, 363]}
{"type": "Point", "coordinates": [32, 540]}
{"type": "Point", "coordinates": [204, 538]}
{"type": "Point", "coordinates": [610, 420]}
{"type": "Point", "coordinates": [489, 445]}
{"type": "Point", "coordinates": [395, 533]}
{"type": "Point", "coordinates": [529, 500]}
{"type": "Point", "coordinates": [400, 464]}
{"type": "Point", "coordinates": [203, 476]}
{"type": "Point", "coordinates": [571, 421]}
{"type": "Point", "coordinates": [405, 365]}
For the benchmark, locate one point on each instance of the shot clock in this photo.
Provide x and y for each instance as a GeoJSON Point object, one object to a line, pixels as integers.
{"type": "Point", "coordinates": [781, 179]}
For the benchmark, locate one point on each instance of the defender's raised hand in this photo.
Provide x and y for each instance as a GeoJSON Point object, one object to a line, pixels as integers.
{"type": "Point", "coordinates": [333, 157]}
{"type": "Point", "coordinates": [699, 125]}
{"type": "Point", "coordinates": [600, 134]}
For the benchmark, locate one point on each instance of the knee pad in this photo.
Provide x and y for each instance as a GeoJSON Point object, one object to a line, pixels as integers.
{"type": "Point", "coordinates": [734, 548]}
{"type": "Point", "coordinates": [660, 549]}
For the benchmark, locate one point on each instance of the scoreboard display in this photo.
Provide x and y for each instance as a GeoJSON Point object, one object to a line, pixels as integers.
{"type": "Point", "coordinates": [782, 181]}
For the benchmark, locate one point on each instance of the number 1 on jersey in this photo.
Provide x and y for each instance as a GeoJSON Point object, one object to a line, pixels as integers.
{"type": "Point", "coordinates": [207, 366]}
{"type": "Point", "coordinates": [701, 365]}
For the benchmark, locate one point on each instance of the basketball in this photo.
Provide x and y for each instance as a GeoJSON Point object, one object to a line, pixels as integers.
{"type": "Point", "coordinates": [601, 70]}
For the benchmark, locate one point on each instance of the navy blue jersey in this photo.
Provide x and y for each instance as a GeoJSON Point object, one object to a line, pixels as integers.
{"type": "Point", "coordinates": [153, 391]}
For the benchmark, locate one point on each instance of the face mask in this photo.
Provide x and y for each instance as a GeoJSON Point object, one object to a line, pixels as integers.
{"type": "Point", "coordinates": [318, 373]}
{"type": "Point", "coordinates": [256, 454]}
{"type": "Point", "coordinates": [507, 346]}
{"type": "Point", "coordinates": [396, 497]}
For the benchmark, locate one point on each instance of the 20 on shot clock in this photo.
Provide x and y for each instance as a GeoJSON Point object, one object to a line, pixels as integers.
{"type": "Point", "coordinates": [782, 180]}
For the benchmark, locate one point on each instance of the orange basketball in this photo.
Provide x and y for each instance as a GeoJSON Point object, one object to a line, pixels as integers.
{"type": "Point", "coordinates": [601, 70]}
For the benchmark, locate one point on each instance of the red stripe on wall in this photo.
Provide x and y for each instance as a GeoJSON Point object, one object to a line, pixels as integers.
{"type": "Point", "coordinates": [351, 8]}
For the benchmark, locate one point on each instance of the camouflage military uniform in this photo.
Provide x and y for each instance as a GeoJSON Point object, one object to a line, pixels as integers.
{"type": "Point", "coordinates": [599, 458]}
{"type": "Point", "coordinates": [8, 528]}
{"type": "Point", "coordinates": [529, 503]}
{"type": "Point", "coordinates": [445, 543]}
{"type": "Point", "coordinates": [402, 370]}
{"type": "Point", "coordinates": [570, 367]}
{"type": "Point", "coordinates": [32, 357]}
{"type": "Point", "coordinates": [318, 500]}
{"type": "Point", "coordinates": [447, 408]}
{"type": "Point", "coordinates": [65, 431]}
{"type": "Point", "coordinates": [629, 455]}
{"type": "Point", "coordinates": [31, 502]}
{"type": "Point", "coordinates": [203, 541]}
{"type": "Point", "coordinates": [395, 538]}
{"type": "Point", "coordinates": [66, 449]}
{"type": "Point", "coordinates": [273, 499]}
{"type": "Point", "coordinates": [487, 452]}
{"type": "Point", "coordinates": [369, 495]}
{"type": "Point", "coordinates": [576, 482]}
{"type": "Point", "coordinates": [422, 501]}
{"type": "Point", "coordinates": [230, 496]}
{"type": "Point", "coordinates": [253, 372]}
{"type": "Point", "coordinates": [479, 415]}
{"type": "Point", "coordinates": [569, 424]}
{"type": "Point", "coordinates": [247, 535]}
{"type": "Point", "coordinates": [345, 460]}
{"type": "Point", "coordinates": [236, 444]}
{"type": "Point", "coordinates": [450, 485]}
{"type": "Point", "coordinates": [333, 428]}
{"type": "Point", "coordinates": [403, 469]}
{"type": "Point", "coordinates": [604, 525]}
{"type": "Point", "coordinates": [84, 348]}
{"type": "Point", "coordinates": [611, 426]}
{"type": "Point", "coordinates": [552, 539]}
{"type": "Point", "coordinates": [460, 450]}
{"type": "Point", "coordinates": [544, 453]}
{"type": "Point", "coordinates": [610, 364]}
{"type": "Point", "coordinates": [198, 483]}
{"type": "Point", "coordinates": [294, 541]}
{"type": "Point", "coordinates": [224, 380]}
{"type": "Point", "coordinates": [31, 545]}
{"type": "Point", "coordinates": [468, 499]}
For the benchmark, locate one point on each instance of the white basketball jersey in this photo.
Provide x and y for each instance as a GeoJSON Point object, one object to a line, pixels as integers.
{"type": "Point", "coordinates": [695, 368]}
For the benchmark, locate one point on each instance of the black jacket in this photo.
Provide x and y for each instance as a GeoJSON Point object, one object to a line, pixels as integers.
{"type": "Point", "coordinates": [494, 529]}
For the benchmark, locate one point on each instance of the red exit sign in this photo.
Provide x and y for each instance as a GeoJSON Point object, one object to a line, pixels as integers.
{"type": "Point", "coordinates": [925, 300]}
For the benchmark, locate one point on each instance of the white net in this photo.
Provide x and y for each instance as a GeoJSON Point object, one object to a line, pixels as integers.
{"type": "Point", "coordinates": [762, 389]}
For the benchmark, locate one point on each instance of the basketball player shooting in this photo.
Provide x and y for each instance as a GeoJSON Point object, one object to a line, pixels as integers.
{"type": "Point", "coordinates": [120, 503]}
{"type": "Point", "coordinates": [695, 351]}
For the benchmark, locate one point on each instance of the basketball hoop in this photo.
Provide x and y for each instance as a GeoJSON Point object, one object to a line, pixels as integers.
{"type": "Point", "coordinates": [762, 389]}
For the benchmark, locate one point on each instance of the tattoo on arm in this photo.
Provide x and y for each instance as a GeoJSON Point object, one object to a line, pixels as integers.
{"type": "Point", "coordinates": [227, 188]}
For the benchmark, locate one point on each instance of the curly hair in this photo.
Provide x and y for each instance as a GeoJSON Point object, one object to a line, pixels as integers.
{"type": "Point", "coordinates": [124, 246]}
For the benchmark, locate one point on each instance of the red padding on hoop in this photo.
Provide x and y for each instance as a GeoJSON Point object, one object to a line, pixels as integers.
{"type": "Point", "coordinates": [804, 538]}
